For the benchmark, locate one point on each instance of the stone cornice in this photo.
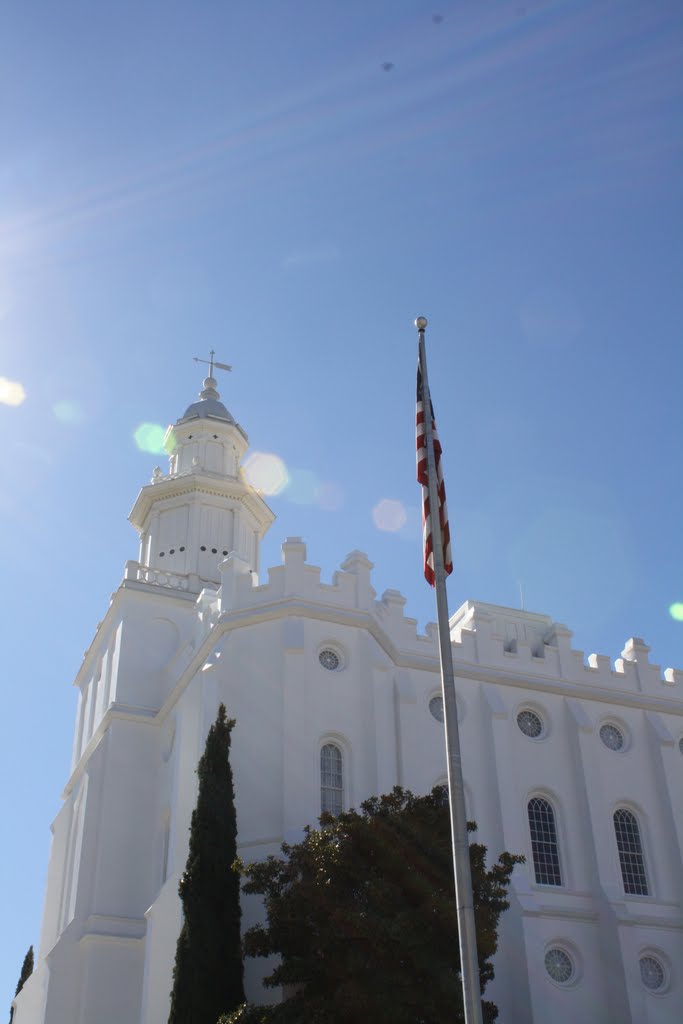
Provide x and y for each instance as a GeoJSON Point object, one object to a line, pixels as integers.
{"type": "Point", "coordinates": [212, 484]}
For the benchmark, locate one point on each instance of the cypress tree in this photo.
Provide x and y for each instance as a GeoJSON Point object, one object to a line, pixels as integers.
{"type": "Point", "coordinates": [207, 976]}
{"type": "Point", "coordinates": [26, 972]}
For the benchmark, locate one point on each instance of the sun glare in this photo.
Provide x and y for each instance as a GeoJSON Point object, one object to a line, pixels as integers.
{"type": "Point", "coordinates": [303, 487]}
{"type": "Point", "coordinates": [266, 472]}
{"type": "Point", "coordinates": [69, 412]}
{"type": "Point", "coordinates": [11, 392]}
{"type": "Point", "coordinates": [389, 514]}
{"type": "Point", "coordinates": [329, 497]}
{"type": "Point", "coordinates": [676, 611]}
{"type": "Point", "coordinates": [149, 437]}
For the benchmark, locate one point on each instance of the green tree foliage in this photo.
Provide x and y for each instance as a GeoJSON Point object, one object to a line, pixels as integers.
{"type": "Point", "coordinates": [207, 977]}
{"type": "Point", "coordinates": [362, 916]}
{"type": "Point", "coordinates": [26, 972]}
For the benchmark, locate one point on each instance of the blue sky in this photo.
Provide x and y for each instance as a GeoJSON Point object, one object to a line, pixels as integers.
{"type": "Point", "coordinates": [246, 176]}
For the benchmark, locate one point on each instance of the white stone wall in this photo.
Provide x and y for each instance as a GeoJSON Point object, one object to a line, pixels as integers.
{"type": "Point", "coordinates": [164, 658]}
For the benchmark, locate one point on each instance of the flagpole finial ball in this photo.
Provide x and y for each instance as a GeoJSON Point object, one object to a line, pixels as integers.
{"type": "Point", "coordinates": [421, 323]}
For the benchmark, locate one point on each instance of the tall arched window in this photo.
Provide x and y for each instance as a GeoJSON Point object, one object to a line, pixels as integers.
{"type": "Point", "coordinates": [630, 853]}
{"type": "Point", "coordinates": [331, 779]}
{"type": "Point", "coordinates": [544, 842]}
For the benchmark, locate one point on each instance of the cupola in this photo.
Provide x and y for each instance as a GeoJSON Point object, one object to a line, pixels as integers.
{"type": "Point", "coordinates": [206, 436]}
{"type": "Point", "coordinates": [202, 510]}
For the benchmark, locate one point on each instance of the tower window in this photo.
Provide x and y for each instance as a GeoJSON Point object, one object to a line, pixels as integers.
{"type": "Point", "coordinates": [612, 736]}
{"type": "Point", "coordinates": [331, 779]}
{"type": "Point", "coordinates": [181, 549]}
{"type": "Point", "coordinates": [530, 723]}
{"type": "Point", "coordinates": [202, 548]}
{"type": "Point", "coordinates": [161, 554]}
{"type": "Point", "coordinates": [436, 707]}
{"type": "Point", "coordinates": [544, 842]}
{"type": "Point", "coordinates": [214, 551]}
{"type": "Point", "coordinates": [630, 853]}
{"type": "Point", "coordinates": [652, 972]}
{"type": "Point", "coordinates": [559, 965]}
{"type": "Point", "coordinates": [172, 551]}
{"type": "Point", "coordinates": [329, 659]}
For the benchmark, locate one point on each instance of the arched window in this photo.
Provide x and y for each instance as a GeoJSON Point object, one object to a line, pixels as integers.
{"type": "Point", "coordinates": [544, 842]}
{"type": "Point", "coordinates": [331, 779]}
{"type": "Point", "coordinates": [630, 853]}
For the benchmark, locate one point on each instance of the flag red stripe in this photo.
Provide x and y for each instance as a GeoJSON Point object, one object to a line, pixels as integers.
{"type": "Point", "coordinates": [422, 478]}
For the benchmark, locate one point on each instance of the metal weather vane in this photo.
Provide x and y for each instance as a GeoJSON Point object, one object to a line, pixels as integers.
{"type": "Point", "coordinates": [212, 364]}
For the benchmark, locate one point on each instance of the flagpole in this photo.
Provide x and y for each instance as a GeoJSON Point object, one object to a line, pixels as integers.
{"type": "Point", "coordinates": [469, 963]}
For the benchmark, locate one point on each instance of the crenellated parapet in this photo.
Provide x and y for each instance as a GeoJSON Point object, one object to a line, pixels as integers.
{"type": "Point", "coordinates": [533, 644]}
{"type": "Point", "coordinates": [491, 637]}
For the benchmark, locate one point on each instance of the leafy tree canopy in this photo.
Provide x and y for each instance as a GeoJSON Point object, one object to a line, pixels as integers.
{"type": "Point", "coordinates": [362, 916]}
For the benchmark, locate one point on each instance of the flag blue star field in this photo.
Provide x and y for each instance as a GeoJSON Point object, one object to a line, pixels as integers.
{"type": "Point", "coordinates": [423, 478]}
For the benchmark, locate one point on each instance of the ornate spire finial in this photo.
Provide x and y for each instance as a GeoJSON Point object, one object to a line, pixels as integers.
{"type": "Point", "coordinates": [210, 382]}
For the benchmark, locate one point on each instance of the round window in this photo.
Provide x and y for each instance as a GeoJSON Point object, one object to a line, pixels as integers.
{"type": "Point", "coordinates": [436, 708]}
{"type": "Point", "coordinates": [530, 723]}
{"type": "Point", "coordinates": [559, 965]}
{"type": "Point", "coordinates": [612, 736]}
{"type": "Point", "coordinates": [652, 972]}
{"type": "Point", "coordinates": [329, 659]}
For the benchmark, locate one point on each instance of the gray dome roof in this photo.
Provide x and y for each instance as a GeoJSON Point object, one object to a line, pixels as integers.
{"type": "Point", "coordinates": [209, 405]}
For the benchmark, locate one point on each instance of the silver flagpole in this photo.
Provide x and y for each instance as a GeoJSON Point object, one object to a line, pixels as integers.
{"type": "Point", "coordinates": [461, 849]}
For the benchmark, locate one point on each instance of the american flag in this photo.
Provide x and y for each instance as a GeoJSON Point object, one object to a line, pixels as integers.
{"type": "Point", "coordinates": [422, 478]}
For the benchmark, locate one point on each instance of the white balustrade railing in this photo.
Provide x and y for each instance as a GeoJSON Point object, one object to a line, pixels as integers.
{"type": "Point", "coordinates": [160, 577]}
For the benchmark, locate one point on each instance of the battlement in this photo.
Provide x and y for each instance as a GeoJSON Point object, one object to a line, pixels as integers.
{"type": "Point", "coordinates": [534, 645]}
{"type": "Point", "coordinates": [486, 635]}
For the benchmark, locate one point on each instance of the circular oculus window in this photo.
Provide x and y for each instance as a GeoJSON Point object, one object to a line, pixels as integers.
{"type": "Point", "coordinates": [436, 708]}
{"type": "Point", "coordinates": [612, 736]}
{"type": "Point", "coordinates": [530, 723]}
{"type": "Point", "coordinates": [329, 659]}
{"type": "Point", "coordinates": [559, 965]}
{"type": "Point", "coordinates": [652, 972]}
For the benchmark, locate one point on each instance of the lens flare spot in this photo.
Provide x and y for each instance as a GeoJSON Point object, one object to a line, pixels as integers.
{"type": "Point", "coordinates": [329, 497]}
{"type": "Point", "coordinates": [303, 487]}
{"type": "Point", "coordinates": [266, 472]}
{"type": "Point", "coordinates": [69, 412]}
{"type": "Point", "coordinates": [11, 392]}
{"type": "Point", "coordinates": [389, 514]}
{"type": "Point", "coordinates": [676, 611]}
{"type": "Point", "coordinates": [149, 437]}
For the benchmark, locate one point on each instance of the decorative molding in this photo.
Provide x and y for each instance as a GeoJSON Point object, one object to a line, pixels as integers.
{"type": "Point", "coordinates": [213, 485]}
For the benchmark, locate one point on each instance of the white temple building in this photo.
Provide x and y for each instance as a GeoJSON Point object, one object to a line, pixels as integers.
{"type": "Point", "coordinates": [575, 763]}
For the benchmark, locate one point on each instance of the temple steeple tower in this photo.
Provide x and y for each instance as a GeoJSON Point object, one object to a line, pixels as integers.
{"type": "Point", "coordinates": [192, 517]}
